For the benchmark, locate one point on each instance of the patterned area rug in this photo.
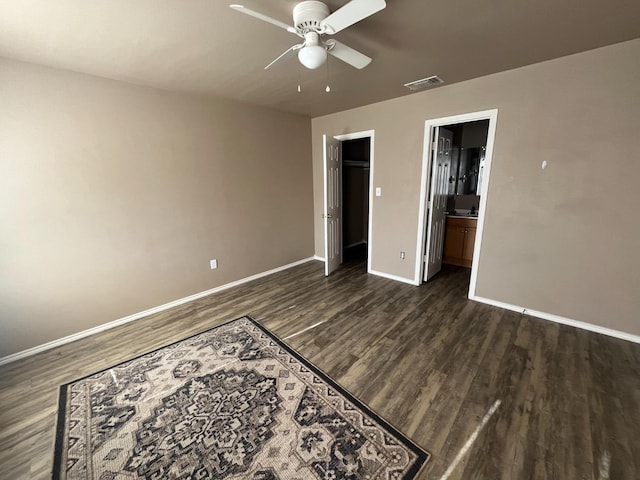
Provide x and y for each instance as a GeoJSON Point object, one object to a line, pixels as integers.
{"type": "Point", "coordinates": [233, 402]}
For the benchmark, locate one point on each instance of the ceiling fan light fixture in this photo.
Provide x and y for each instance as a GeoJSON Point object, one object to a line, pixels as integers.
{"type": "Point", "coordinates": [312, 56]}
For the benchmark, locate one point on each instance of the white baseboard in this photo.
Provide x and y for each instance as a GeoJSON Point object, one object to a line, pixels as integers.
{"type": "Point", "coordinates": [392, 277]}
{"type": "Point", "coordinates": [558, 319]}
{"type": "Point", "coordinates": [121, 321]}
{"type": "Point", "coordinates": [381, 274]}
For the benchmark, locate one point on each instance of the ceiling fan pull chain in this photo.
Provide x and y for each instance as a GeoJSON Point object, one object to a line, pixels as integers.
{"type": "Point", "coordinates": [328, 89]}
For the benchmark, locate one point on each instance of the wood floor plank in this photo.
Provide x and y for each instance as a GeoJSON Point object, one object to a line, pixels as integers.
{"type": "Point", "coordinates": [425, 358]}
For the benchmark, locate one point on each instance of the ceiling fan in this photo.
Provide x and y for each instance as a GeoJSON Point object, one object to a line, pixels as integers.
{"type": "Point", "coordinates": [312, 21]}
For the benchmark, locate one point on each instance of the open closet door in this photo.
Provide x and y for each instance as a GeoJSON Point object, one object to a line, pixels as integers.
{"type": "Point", "coordinates": [332, 204]}
{"type": "Point", "coordinates": [440, 171]}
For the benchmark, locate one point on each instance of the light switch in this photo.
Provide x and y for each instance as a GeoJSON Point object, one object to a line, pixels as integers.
{"type": "Point", "coordinates": [378, 191]}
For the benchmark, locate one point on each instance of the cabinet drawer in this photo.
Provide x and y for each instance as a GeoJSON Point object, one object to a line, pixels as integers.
{"type": "Point", "coordinates": [462, 222]}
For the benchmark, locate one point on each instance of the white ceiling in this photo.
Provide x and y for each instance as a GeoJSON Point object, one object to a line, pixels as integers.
{"type": "Point", "coordinates": [204, 47]}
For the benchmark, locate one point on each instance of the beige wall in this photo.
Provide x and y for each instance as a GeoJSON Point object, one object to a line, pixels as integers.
{"type": "Point", "coordinates": [564, 240]}
{"type": "Point", "coordinates": [113, 198]}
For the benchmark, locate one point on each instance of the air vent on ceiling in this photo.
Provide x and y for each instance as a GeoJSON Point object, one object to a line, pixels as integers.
{"type": "Point", "coordinates": [424, 83]}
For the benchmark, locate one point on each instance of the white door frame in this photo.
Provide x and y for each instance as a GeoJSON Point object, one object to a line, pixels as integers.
{"type": "Point", "coordinates": [354, 136]}
{"type": "Point", "coordinates": [492, 116]}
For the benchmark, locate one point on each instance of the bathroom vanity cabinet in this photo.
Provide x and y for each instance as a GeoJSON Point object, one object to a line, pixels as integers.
{"type": "Point", "coordinates": [459, 240]}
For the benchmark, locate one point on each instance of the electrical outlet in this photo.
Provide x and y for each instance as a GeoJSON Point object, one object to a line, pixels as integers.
{"type": "Point", "coordinates": [402, 255]}
{"type": "Point", "coordinates": [214, 264]}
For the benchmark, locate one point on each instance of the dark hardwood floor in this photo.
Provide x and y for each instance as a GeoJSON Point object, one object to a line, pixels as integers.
{"type": "Point", "coordinates": [565, 402]}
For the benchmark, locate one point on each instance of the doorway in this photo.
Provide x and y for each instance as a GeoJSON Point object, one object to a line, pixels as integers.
{"type": "Point", "coordinates": [455, 177]}
{"type": "Point", "coordinates": [348, 173]}
{"type": "Point", "coordinates": [356, 169]}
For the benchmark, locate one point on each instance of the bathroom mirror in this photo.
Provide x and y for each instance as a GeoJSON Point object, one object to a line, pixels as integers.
{"type": "Point", "coordinates": [467, 165]}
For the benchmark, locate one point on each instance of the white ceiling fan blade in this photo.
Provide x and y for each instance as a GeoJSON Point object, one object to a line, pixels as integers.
{"type": "Point", "coordinates": [290, 49]}
{"type": "Point", "coordinates": [272, 21]}
{"type": "Point", "coordinates": [351, 13]}
{"type": "Point", "coordinates": [347, 54]}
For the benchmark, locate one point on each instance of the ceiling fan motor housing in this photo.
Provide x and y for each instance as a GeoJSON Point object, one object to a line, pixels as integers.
{"type": "Point", "coordinates": [308, 15]}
